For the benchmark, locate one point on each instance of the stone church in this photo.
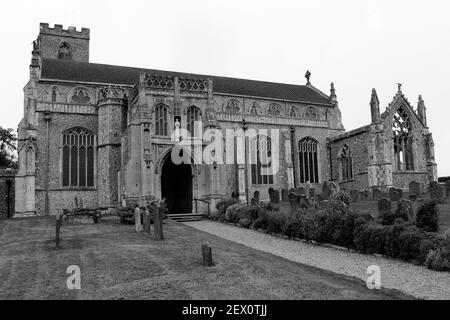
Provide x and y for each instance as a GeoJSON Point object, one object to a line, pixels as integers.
{"type": "Point", "coordinates": [103, 135]}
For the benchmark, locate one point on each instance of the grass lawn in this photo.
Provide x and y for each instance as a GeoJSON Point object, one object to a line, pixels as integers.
{"type": "Point", "coordinates": [117, 263]}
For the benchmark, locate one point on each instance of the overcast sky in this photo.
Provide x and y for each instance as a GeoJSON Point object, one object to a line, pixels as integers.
{"type": "Point", "coordinates": [359, 45]}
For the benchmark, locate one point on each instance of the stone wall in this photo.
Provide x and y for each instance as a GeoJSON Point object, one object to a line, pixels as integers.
{"type": "Point", "coordinates": [59, 196]}
{"type": "Point", "coordinates": [6, 184]}
{"type": "Point", "coordinates": [357, 142]}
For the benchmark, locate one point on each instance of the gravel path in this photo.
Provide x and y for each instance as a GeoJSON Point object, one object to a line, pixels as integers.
{"type": "Point", "coordinates": [406, 277]}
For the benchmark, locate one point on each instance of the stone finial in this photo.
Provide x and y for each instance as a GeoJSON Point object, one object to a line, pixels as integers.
{"type": "Point", "coordinates": [399, 87]}
{"type": "Point", "coordinates": [307, 76]}
{"type": "Point", "coordinates": [375, 107]}
{"type": "Point", "coordinates": [422, 111]}
{"type": "Point", "coordinates": [333, 96]}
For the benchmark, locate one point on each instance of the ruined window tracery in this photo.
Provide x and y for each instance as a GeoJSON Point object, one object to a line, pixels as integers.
{"type": "Point", "coordinates": [78, 158]}
{"type": "Point", "coordinates": [346, 164]}
{"type": "Point", "coordinates": [161, 120]}
{"type": "Point", "coordinates": [308, 160]}
{"type": "Point", "coordinates": [261, 160]}
{"type": "Point", "coordinates": [402, 132]}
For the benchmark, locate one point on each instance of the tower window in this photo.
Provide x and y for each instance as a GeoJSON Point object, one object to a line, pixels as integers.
{"type": "Point", "coordinates": [65, 51]}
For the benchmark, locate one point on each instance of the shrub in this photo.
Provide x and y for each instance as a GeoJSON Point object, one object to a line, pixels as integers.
{"type": "Point", "coordinates": [342, 196]}
{"type": "Point", "coordinates": [427, 217]}
{"type": "Point", "coordinates": [409, 243]}
{"type": "Point", "coordinates": [231, 214]}
{"type": "Point", "coordinates": [439, 259]}
{"type": "Point", "coordinates": [387, 218]}
{"type": "Point", "coordinates": [275, 221]}
{"type": "Point", "coordinates": [223, 205]}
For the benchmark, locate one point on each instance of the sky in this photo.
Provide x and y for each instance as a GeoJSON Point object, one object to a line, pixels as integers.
{"type": "Point", "coordinates": [358, 45]}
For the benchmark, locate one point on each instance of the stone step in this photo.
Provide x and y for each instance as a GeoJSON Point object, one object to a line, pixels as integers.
{"type": "Point", "coordinates": [183, 217]}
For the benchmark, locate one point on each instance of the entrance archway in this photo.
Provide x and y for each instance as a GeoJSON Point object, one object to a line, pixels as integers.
{"type": "Point", "coordinates": [176, 186]}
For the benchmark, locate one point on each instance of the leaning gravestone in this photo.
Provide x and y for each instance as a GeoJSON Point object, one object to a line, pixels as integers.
{"type": "Point", "coordinates": [405, 210]}
{"type": "Point", "coordinates": [354, 194]}
{"type": "Point", "coordinates": [384, 205]}
{"type": "Point", "coordinates": [293, 200]}
{"type": "Point", "coordinates": [326, 190]}
{"type": "Point", "coordinates": [395, 194]}
{"type": "Point", "coordinates": [435, 191]}
{"type": "Point", "coordinates": [284, 195]}
{"type": "Point", "coordinates": [301, 190]}
{"type": "Point", "coordinates": [364, 195]}
{"type": "Point", "coordinates": [414, 188]}
{"type": "Point", "coordinates": [271, 196]}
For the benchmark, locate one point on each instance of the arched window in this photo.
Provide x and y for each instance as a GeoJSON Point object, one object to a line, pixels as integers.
{"type": "Point", "coordinates": [261, 160]}
{"type": "Point", "coordinates": [65, 51]}
{"type": "Point", "coordinates": [161, 120]}
{"type": "Point", "coordinates": [54, 95]}
{"type": "Point", "coordinates": [193, 115]}
{"type": "Point", "coordinates": [78, 158]}
{"type": "Point", "coordinates": [346, 164]}
{"type": "Point", "coordinates": [308, 166]}
{"type": "Point", "coordinates": [402, 132]}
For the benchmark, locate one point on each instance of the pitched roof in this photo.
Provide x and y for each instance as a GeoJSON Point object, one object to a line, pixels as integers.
{"type": "Point", "coordinates": [54, 69]}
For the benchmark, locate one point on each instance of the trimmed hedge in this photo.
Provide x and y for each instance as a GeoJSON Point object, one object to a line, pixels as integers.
{"type": "Point", "coordinates": [337, 224]}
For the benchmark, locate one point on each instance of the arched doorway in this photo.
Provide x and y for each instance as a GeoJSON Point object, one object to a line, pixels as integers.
{"type": "Point", "coordinates": [176, 186]}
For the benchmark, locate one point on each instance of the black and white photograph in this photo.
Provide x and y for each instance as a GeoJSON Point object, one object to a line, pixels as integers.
{"type": "Point", "coordinates": [225, 156]}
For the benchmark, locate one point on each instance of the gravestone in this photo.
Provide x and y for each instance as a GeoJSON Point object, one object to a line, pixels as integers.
{"type": "Point", "coordinates": [301, 190]}
{"type": "Point", "coordinates": [435, 191]}
{"type": "Point", "coordinates": [255, 200]}
{"type": "Point", "coordinates": [364, 195]}
{"type": "Point", "coordinates": [447, 188]}
{"type": "Point", "coordinates": [146, 221]}
{"type": "Point", "coordinates": [405, 210]}
{"type": "Point", "coordinates": [276, 196]}
{"type": "Point", "coordinates": [414, 188]}
{"type": "Point", "coordinates": [158, 222]}
{"type": "Point", "coordinates": [395, 194]}
{"type": "Point", "coordinates": [284, 195]}
{"type": "Point", "coordinates": [303, 202]}
{"type": "Point", "coordinates": [271, 196]}
{"type": "Point", "coordinates": [326, 190]}
{"type": "Point", "coordinates": [207, 256]}
{"type": "Point", "coordinates": [377, 194]}
{"type": "Point", "coordinates": [293, 200]}
{"type": "Point", "coordinates": [307, 188]}
{"type": "Point", "coordinates": [354, 194]}
{"type": "Point", "coordinates": [384, 205]}
{"type": "Point", "coordinates": [312, 193]}
{"type": "Point", "coordinates": [413, 197]}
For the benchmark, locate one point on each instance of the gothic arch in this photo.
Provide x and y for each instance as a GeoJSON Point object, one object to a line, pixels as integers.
{"type": "Point", "coordinates": [345, 163]}
{"type": "Point", "coordinates": [308, 156]}
{"type": "Point", "coordinates": [275, 110]}
{"type": "Point", "coordinates": [254, 109]}
{"type": "Point", "coordinates": [166, 153]}
{"type": "Point", "coordinates": [402, 139]}
{"type": "Point", "coordinates": [65, 51]}
{"type": "Point", "coordinates": [311, 113]}
{"type": "Point", "coordinates": [233, 106]}
{"type": "Point", "coordinates": [53, 94]}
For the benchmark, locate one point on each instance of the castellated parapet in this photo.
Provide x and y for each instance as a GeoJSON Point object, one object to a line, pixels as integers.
{"type": "Point", "coordinates": [59, 30]}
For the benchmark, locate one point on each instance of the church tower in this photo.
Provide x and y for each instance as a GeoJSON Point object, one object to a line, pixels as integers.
{"type": "Point", "coordinates": [67, 44]}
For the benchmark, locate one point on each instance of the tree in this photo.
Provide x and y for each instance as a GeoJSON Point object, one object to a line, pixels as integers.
{"type": "Point", "coordinates": [8, 147]}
